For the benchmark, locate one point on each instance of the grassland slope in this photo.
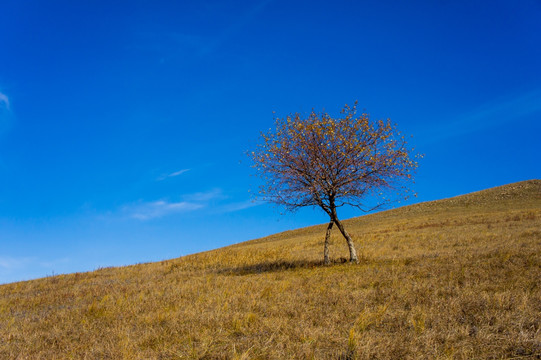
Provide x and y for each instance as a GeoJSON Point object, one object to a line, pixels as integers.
{"type": "Point", "coordinates": [457, 278]}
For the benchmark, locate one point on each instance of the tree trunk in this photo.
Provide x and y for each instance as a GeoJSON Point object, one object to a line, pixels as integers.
{"type": "Point", "coordinates": [352, 252]}
{"type": "Point", "coordinates": [326, 259]}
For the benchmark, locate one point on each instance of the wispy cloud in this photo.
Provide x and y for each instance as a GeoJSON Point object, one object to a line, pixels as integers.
{"type": "Point", "coordinates": [214, 194]}
{"type": "Point", "coordinates": [237, 206]}
{"type": "Point", "coordinates": [26, 268]}
{"type": "Point", "coordinates": [4, 101]}
{"type": "Point", "coordinates": [6, 115]}
{"type": "Point", "coordinates": [12, 267]}
{"type": "Point", "coordinates": [173, 174]}
{"type": "Point", "coordinates": [160, 208]}
{"type": "Point", "coordinates": [177, 173]}
{"type": "Point", "coordinates": [11, 263]}
{"type": "Point", "coordinates": [213, 201]}
{"type": "Point", "coordinates": [157, 209]}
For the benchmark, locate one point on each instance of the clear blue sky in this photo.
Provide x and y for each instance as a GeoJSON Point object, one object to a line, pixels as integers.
{"type": "Point", "coordinates": [123, 125]}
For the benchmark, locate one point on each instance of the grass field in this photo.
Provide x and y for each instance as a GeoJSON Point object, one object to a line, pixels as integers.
{"type": "Point", "coordinates": [458, 278]}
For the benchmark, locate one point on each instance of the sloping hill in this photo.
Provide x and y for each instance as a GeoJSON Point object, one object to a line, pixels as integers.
{"type": "Point", "coordinates": [457, 278]}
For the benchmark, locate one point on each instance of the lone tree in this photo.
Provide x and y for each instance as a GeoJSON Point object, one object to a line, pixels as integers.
{"type": "Point", "coordinates": [332, 162]}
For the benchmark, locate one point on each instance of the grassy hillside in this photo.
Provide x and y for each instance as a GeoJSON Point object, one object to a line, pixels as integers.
{"type": "Point", "coordinates": [452, 279]}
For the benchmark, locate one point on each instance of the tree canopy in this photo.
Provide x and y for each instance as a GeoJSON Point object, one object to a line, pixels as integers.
{"type": "Point", "coordinates": [332, 162]}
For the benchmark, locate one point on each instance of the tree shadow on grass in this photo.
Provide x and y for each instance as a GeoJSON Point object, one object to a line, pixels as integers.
{"type": "Point", "coordinates": [277, 266]}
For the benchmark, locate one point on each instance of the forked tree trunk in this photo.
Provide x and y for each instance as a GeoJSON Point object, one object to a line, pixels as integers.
{"type": "Point", "coordinates": [326, 259]}
{"type": "Point", "coordinates": [331, 210]}
{"type": "Point", "coordinates": [351, 246]}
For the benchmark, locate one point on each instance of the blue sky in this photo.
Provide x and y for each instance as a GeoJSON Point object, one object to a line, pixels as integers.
{"type": "Point", "coordinates": [124, 125]}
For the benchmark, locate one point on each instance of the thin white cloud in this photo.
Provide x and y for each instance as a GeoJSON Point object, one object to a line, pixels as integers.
{"type": "Point", "coordinates": [214, 201]}
{"type": "Point", "coordinates": [237, 206]}
{"type": "Point", "coordinates": [157, 209]}
{"type": "Point", "coordinates": [214, 194]}
{"type": "Point", "coordinates": [4, 101]}
{"type": "Point", "coordinates": [173, 174]}
{"type": "Point", "coordinates": [10, 266]}
{"type": "Point", "coordinates": [177, 173]}
{"type": "Point", "coordinates": [26, 268]}
{"type": "Point", "coordinates": [12, 263]}
{"type": "Point", "coordinates": [6, 115]}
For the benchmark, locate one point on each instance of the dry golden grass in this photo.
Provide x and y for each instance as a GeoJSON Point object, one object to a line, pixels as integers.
{"type": "Point", "coordinates": [451, 279]}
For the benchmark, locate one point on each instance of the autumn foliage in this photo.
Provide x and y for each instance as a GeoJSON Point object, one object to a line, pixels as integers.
{"type": "Point", "coordinates": [332, 162]}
